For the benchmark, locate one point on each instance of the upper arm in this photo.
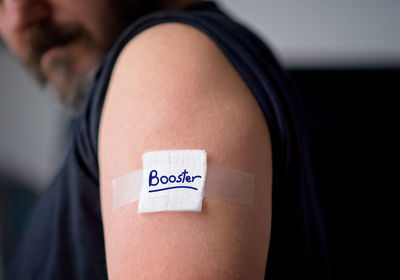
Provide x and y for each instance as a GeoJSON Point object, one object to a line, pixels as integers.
{"type": "Point", "coordinates": [172, 89]}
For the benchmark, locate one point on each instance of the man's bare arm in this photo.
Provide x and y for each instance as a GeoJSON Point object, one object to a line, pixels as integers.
{"type": "Point", "coordinates": [172, 88]}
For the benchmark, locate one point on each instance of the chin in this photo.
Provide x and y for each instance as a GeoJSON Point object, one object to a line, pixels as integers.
{"type": "Point", "coordinates": [72, 92]}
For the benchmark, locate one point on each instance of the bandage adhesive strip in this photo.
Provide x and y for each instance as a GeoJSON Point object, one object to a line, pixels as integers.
{"type": "Point", "coordinates": [220, 183]}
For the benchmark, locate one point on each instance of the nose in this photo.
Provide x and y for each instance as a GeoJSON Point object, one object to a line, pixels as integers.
{"type": "Point", "coordinates": [20, 14]}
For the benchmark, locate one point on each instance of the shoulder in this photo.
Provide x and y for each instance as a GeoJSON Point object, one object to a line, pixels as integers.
{"type": "Point", "coordinates": [172, 88]}
{"type": "Point", "coordinates": [173, 70]}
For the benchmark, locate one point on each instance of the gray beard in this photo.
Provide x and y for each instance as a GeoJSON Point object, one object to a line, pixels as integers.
{"type": "Point", "coordinates": [72, 93]}
{"type": "Point", "coordinates": [72, 99]}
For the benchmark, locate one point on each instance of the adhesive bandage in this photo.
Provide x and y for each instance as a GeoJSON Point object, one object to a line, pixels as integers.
{"type": "Point", "coordinates": [177, 180]}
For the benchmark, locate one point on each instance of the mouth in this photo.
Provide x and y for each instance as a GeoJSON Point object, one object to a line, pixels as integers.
{"type": "Point", "coordinates": [48, 48]}
{"type": "Point", "coordinates": [51, 47]}
{"type": "Point", "coordinates": [51, 53]}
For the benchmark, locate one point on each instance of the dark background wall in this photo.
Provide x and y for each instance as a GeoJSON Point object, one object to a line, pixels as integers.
{"type": "Point", "coordinates": [350, 119]}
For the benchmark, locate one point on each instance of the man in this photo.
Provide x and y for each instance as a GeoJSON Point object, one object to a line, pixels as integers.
{"type": "Point", "coordinates": [169, 75]}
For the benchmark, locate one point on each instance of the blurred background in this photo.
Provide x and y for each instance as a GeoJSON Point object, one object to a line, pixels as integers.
{"type": "Point", "coordinates": [344, 56]}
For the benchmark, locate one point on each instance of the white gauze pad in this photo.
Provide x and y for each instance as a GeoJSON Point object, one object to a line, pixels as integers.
{"type": "Point", "coordinates": [173, 181]}
{"type": "Point", "coordinates": [178, 180]}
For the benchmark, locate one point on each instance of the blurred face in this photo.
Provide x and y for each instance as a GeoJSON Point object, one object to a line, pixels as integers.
{"type": "Point", "coordinates": [63, 41]}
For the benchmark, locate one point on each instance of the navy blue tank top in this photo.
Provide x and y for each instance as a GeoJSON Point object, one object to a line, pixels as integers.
{"type": "Point", "coordinates": [64, 238]}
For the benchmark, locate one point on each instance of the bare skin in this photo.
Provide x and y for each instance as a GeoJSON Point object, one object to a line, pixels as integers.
{"type": "Point", "coordinates": [184, 94]}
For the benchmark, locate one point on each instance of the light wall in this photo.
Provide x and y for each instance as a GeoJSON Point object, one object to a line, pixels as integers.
{"type": "Point", "coordinates": [326, 33]}
{"type": "Point", "coordinates": [32, 128]}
